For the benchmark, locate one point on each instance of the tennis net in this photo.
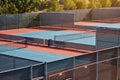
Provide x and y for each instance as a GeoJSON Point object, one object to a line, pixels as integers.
{"type": "Point", "coordinates": [74, 36]}
{"type": "Point", "coordinates": [12, 45]}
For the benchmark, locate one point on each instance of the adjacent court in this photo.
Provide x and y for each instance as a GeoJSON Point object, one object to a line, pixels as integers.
{"type": "Point", "coordinates": [73, 37]}
{"type": "Point", "coordinates": [106, 25]}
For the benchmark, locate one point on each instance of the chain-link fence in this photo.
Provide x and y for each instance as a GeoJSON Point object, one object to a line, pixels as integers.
{"type": "Point", "coordinates": [92, 66]}
{"type": "Point", "coordinates": [107, 37]}
{"type": "Point", "coordinates": [99, 65]}
{"type": "Point", "coordinates": [15, 21]}
{"type": "Point", "coordinates": [10, 62]}
{"type": "Point", "coordinates": [54, 19]}
{"type": "Point", "coordinates": [105, 13]}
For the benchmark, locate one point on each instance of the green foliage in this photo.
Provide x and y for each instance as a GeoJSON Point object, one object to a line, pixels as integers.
{"type": "Point", "coordinates": [95, 4]}
{"type": "Point", "coordinates": [59, 8]}
{"type": "Point", "coordinates": [106, 3]}
{"type": "Point", "coordinates": [23, 6]}
{"type": "Point", "coordinates": [114, 3]}
{"type": "Point", "coordinates": [12, 8]}
{"type": "Point", "coordinates": [18, 6]}
{"type": "Point", "coordinates": [43, 4]}
{"type": "Point", "coordinates": [53, 5]}
{"type": "Point", "coordinates": [69, 5]}
{"type": "Point", "coordinates": [27, 5]}
{"type": "Point", "coordinates": [118, 4]}
{"type": "Point", "coordinates": [82, 4]}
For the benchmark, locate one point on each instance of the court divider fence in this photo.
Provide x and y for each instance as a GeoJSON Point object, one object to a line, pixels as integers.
{"type": "Point", "coordinates": [99, 65]}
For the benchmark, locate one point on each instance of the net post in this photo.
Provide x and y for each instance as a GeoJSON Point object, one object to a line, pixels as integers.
{"type": "Point", "coordinates": [14, 65]}
{"type": "Point", "coordinates": [54, 37]}
{"type": "Point", "coordinates": [31, 72]}
{"type": "Point", "coordinates": [44, 42]}
{"type": "Point", "coordinates": [50, 42]}
{"type": "Point", "coordinates": [26, 44]}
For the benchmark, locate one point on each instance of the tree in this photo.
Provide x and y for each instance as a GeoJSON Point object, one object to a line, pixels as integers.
{"type": "Point", "coordinates": [53, 5]}
{"type": "Point", "coordinates": [18, 6]}
{"type": "Point", "coordinates": [1, 9]}
{"type": "Point", "coordinates": [114, 3]}
{"type": "Point", "coordinates": [43, 4]}
{"type": "Point", "coordinates": [61, 1]}
{"type": "Point", "coordinates": [22, 6]}
{"type": "Point", "coordinates": [27, 5]}
{"type": "Point", "coordinates": [12, 8]}
{"type": "Point", "coordinates": [82, 4]}
{"type": "Point", "coordinates": [69, 5]}
{"type": "Point", "coordinates": [106, 3]}
{"type": "Point", "coordinates": [95, 4]}
{"type": "Point", "coordinates": [118, 3]}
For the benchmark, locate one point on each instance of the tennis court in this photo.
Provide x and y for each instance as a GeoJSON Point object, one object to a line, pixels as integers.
{"type": "Point", "coordinates": [29, 55]}
{"type": "Point", "coordinates": [94, 26]}
{"type": "Point", "coordinates": [108, 20]}
{"type": "Point", "coordinates": [19, 49]}
{"type": "Point", "coordinates": [73, 37]}
{"type": "Point", "coordinates": [24, 56]}
{"type": "Point", "coordinates": [84, 23]}
{"type": "Point", "coordinates": [106, 25]}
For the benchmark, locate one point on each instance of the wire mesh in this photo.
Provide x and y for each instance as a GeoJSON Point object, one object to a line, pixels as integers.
{"type": "Point", "coordinates": [9, 62]}
{"type": "Point", "coordinates": [89, 71]}
{"type": "Point", "coordinates": [56, 19]}
{"type": "Point", "coordinates": [16, 21]}
{"type": "Point", "coordinates": [108, 70]}
{"type": "Point", "coordinates": [107, 37]}
{"type": "Point", "coordinates": [23, 74]}
{"type": "Point", "coordinates": [74, 36]}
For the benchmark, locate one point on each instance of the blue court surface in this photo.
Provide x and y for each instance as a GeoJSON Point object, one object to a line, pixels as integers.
{"type": "Point", "coordinates": [105, 25]}
{"type": "Point", "coordinates": [49, 34]}
{"type": "Point", "coordinates": [34, 55]}
{"type": "Point", "coordinates": [5, 48]}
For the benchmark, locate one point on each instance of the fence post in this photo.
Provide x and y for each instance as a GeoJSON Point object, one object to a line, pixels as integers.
{"type": "Point", "coordinates": [45, 71]}
{"type": "Point", "coordinates": [31, 72]}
